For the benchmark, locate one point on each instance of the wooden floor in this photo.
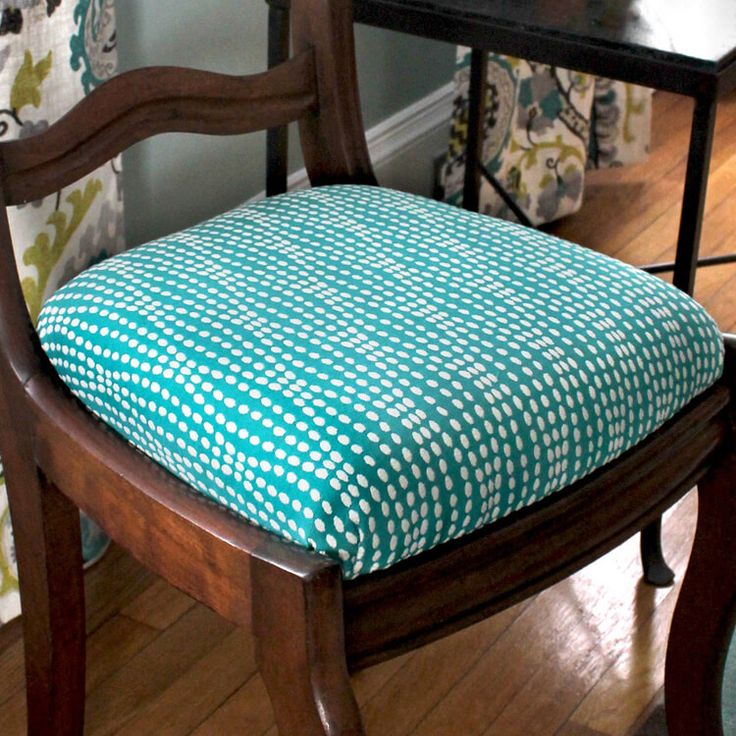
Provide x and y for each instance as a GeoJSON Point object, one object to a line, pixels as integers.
{"type": "Point", "coordinates": [584, 658]}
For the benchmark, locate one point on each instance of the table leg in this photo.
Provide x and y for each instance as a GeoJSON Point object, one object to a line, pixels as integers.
{"type": "Point", "coordinates": [656, 570]}
{"type": "Point", "coordinates": [277, 139]}
{"type": "Point", "coordinates": [476, 124]}
{"type": "Point", "coordinates": [474, 166]}
{"type": "Point", "coordinates": [696, 183]}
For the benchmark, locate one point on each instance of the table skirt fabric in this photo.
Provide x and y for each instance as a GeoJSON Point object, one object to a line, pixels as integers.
{"type": "Point", "coordinates": [52, 53]}
{"type": "Point", "coordinates": [544, 127]}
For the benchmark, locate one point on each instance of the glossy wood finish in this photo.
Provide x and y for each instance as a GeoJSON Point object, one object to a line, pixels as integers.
{"type": "Point", "coordinates": [584, 654]}
{"type": "Point", "coordinates": [389, 612]}
{"type": "Point", "coordinates": [48, 551]}
{"type": "Point", "coordinates": [46, 524]}
{"type": "Point", "coordinates": [703, 623]}
{"type": "Point", "coordinates": [47, 434]}
{"type": "Point", "coordinates": [583, 658]}
{"type": "Point", "coordinates": [333, 140]}
{"type": "Point", "coordinates": [146, 102]}
{"type": "Point", "coordinates": [300, 646]}
{"type": "Point", "coordinates": [704, 620]}
{"type": "Point", "coordinates": [308, 625]}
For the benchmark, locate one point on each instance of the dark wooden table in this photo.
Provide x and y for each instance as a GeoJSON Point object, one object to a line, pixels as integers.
{"type": "Point", "coordinates": [679, 46]}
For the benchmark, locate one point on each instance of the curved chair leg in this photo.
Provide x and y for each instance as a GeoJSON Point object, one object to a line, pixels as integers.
{"type": "Point", "coordinates": [49, 552]}
{"type": "Point", "coordinates": [656, 570]}
{"type": "Point", "coordinates": [300, 647]}
{"type": "Point", "coordinates": [704, 618]}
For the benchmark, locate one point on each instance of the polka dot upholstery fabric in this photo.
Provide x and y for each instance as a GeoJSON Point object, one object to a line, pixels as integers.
{"type": "Point", "coordinates": [369, 373]}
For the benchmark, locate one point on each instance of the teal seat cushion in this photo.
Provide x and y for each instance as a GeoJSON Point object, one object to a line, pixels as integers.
{"type": "Point", "coordinates": [369, 373]}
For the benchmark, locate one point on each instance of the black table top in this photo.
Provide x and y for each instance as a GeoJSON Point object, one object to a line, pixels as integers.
{"type": "Point", "coordinates": [703, 31]}
{"type": "Point", "coordinates": [681, 45]}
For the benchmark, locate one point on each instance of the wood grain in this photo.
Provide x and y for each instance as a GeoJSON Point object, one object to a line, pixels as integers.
{"type": "Point", "coordinates": [181, 704]}
{"type": "Point", "coordinates": [577, 639]}
{"type": "Point", "coordinates": [140, 681]}
{"type": "Point", "coordinates": [144, 102]}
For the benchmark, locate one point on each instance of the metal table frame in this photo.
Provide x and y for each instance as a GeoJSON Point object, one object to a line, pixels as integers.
{"type": "Point", "coordinates": [474, 24]}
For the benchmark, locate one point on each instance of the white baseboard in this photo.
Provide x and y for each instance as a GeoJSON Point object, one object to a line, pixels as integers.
{"type": "Point", "coordinates": [394, 135]}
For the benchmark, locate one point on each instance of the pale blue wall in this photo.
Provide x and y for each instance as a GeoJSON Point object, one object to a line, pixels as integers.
{"type": "Point", "coordinates": [174, 181]}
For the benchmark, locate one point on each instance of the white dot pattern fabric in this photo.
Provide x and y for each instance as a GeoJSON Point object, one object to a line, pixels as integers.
{"type": "Point", "coordinates": [369, 373]}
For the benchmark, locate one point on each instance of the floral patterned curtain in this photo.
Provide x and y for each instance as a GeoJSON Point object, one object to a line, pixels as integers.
{"type": "Point", "coordinates": [52, 53]}
{"type": "Point", "coordinates": [544, 127]}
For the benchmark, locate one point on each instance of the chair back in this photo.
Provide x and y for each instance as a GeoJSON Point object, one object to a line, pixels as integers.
{"type": "Point", "coordinates": [317, 87]}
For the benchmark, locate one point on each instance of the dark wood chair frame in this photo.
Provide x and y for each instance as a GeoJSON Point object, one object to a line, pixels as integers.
{"type": "Point", "coordinates": [311, 627]}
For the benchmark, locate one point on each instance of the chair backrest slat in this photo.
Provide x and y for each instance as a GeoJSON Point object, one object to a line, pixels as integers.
{"type": "Point", "coordinates": [145, 102]}
{"type": "Point", "coordinates": [318, 87]}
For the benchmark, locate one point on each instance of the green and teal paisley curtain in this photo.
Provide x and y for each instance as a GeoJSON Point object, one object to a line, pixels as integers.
{"type": "Point", "coordinates": [544, 127]}
{"type": "Point", "coordinates": [52, 53]}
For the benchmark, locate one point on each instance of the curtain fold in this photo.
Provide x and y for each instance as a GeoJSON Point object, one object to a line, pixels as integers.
{"type": "Point", "coordinates": [53, 53]}
{"type": "Point", "coordinates": [544, 127]}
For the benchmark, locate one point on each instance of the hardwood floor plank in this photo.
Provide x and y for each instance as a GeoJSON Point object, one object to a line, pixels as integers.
{"type": "Point", "coordinates": [639, 194]}
{"type": "Point", "coordinates": [621, 203]}
{"type": "Point", "coordinates": [592, 611]}
{"type": "Point", "coordinates": [12, 671]}
{"type": "Point", "coordinates": [607, 603]}
{"type": "Point", "coordinates": [625, 691]}
{"type": "Point", "coordinates": [112, 639]}
{"type": "Point", "coordinates": [111, 584]}
{"type": "Point", "coordinates": [653, 719]}
{"type": "Point", "coordinates": [575, 729]}
{"type": "Point", "coordinates": [722, 305]}
{"type": "Point", "coordinates": [436, 667]}
{"type": "Point", "coordinates": [368, 683]}
{"type": "Point", "coordinates": [656, 242]}
{"type": "Point", "coordinates": [159, 606]}
{"type": "Point", "coordinates": [183, 705]}
{"type": "Point", "coordinates": [13, 717]}
{"type": "Point", "coordinates": [113, 645]}
{"type": "Point", "coordinates": [250, 703]}
{"type": "Point", "coordinates": [631, 189]}
{"type": "Point", "coordinates": [248, 711]}
{"type": "Point", "coordinates": [141, 680]}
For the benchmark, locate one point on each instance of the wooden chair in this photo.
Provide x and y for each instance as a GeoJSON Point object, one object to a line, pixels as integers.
{"type": "Point", "coordinates": [312, 624]}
